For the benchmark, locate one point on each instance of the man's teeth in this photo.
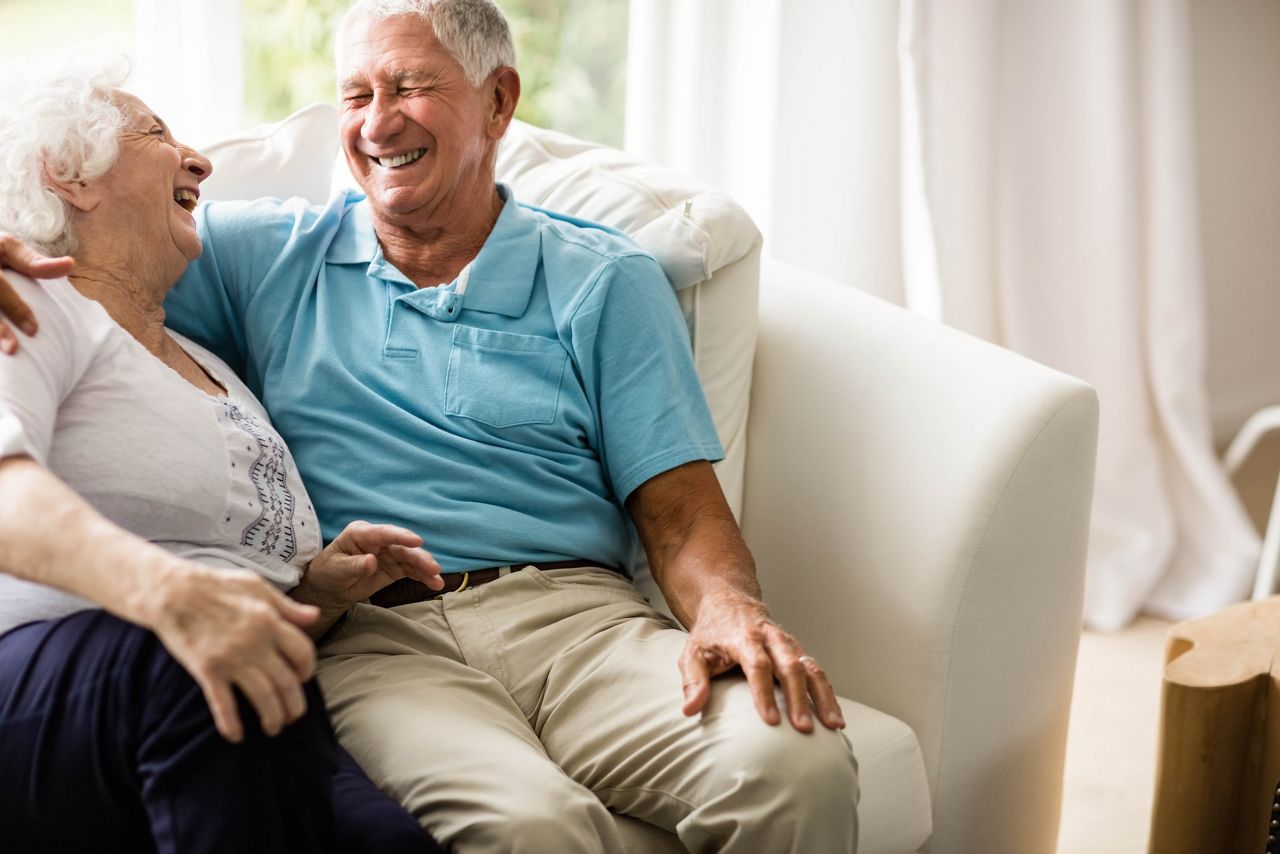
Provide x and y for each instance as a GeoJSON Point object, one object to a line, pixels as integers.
{"type": "Point", "coordinates": [186, 198]}
{"type": "Point", "coordinates": [409, 157]}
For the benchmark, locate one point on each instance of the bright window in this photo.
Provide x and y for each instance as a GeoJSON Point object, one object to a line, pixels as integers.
{"type": "Point", "coordinates": [571, 54]}
{"type": "Point", "coordinates": [33, 29]}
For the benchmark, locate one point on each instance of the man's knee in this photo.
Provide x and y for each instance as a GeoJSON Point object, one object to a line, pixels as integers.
{"type": "Point", "coordinates": [781, 789]}
{"type": "Point", "coordinates": [806, 771]}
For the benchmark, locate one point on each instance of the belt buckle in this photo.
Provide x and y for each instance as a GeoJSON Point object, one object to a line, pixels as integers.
{"type": "Point", "coordinates": [466, 579]}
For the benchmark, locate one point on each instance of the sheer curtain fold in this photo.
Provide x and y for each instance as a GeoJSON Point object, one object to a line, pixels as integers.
{"type": "Point", "coordinates": [1056, 166]}
{"type": "Point", "coordinates": [190, 65]}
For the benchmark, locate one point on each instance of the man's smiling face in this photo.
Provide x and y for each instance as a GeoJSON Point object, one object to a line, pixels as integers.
{"type": "Point", "coordinates": [416, 133]}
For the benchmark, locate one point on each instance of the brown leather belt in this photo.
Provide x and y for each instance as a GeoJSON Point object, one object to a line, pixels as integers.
{"type": "Point", "coordinates": [407, 591]}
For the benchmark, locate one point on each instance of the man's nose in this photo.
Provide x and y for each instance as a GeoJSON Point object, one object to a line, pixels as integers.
{"type": "Point", "coordinates": [382, 119]}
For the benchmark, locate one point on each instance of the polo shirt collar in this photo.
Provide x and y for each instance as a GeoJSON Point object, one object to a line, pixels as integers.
{"type": "Point", "coordinates": [501, 276]}
{"type": "Point", "coordinates": [356, 242]}
{"type": "Point", "coordinates": [499, 279]}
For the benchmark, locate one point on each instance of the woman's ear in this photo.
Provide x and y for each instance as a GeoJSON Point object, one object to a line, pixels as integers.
{"type": "Point", "coordinates": [81, 195]}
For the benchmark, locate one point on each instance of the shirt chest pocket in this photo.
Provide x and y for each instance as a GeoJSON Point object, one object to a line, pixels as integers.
{"type": "Point", "coordinates": [503, 378]}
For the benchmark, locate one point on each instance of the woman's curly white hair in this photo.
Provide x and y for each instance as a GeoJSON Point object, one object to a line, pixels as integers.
{"type": "Point", "coordinates": [55, 124]}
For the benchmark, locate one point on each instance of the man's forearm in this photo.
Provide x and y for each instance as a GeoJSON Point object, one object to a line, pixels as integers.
{"type": "Point", "coordinates": [50, 535]}
{"type": "Point", "coordinates": [695, 548]}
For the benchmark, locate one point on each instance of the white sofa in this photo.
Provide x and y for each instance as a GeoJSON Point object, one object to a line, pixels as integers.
{"type": "Point", "coordinates": [917, 500]}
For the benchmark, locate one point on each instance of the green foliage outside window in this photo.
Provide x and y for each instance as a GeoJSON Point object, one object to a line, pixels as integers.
{"type": "Point", "coordinates": [30, 30]}
{"type": "Point", "coordinates": [571, 55]}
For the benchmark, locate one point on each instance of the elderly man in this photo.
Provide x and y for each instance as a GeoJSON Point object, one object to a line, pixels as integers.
{"type": "Point", "coordinates": [518, 388]}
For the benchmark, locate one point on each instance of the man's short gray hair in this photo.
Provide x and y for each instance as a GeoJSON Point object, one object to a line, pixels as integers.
{"type": "Point", "coordinates": [57, 124]}
{"type": "Point", "coordinates": [474, 31]}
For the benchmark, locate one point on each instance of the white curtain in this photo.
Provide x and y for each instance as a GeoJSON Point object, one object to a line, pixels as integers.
{"type": "Point", "coordinates": [1050, 206]}
{"type": "Point", "coordinates": [190, 66]}
{"type": "Point", "coordinates": [702, 83]}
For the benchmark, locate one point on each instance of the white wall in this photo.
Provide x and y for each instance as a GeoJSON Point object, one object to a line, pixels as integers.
{"type": "Point", "coordinates": [1236, 65]}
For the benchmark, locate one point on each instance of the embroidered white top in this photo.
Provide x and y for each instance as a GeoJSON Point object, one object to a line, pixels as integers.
{"type": "Point", "coordinates": [203, 476]}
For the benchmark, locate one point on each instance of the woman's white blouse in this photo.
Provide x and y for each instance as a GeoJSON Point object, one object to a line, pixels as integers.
{"type": "Point", "coordinates": [205, 477]}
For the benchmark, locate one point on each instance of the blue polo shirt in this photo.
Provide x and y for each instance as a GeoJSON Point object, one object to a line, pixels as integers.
{"type": "Point", "coordinates": [505, 416]}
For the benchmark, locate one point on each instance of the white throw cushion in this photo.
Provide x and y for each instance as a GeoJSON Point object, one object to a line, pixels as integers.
{"type": "Point", "coordinates": [292, 157]}
{"type": "Point", "coordinates": [691, 229]}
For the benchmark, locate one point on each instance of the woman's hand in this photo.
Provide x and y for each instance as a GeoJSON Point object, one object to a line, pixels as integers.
{"type": "Point", "coordinates": [231, 629]}
{"type": "Point", "coordinates": [16, 255]}
{"type": "Point", "coordinates": [362, 560]}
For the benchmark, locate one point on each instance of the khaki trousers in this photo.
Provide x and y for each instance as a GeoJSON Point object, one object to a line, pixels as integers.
{"type": "Point", "coordinates": [514, 716]}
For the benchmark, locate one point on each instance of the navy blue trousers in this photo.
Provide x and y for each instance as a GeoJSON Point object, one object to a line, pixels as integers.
{"type": "Point", "coordinates": [107, 745]}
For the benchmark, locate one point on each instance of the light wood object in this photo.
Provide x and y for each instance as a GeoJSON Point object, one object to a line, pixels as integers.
{"type": "Point", "coordinates": [1219, 753]}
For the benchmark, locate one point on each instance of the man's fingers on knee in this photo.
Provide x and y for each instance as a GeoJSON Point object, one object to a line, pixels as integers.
{"type": "Point", "coordinates": [759, 672]}
{"type": "Point", "coordinates": [823, 694]}
{"type": "Point", "coordinates": [798, 704]}
{"type": "Point", "coordinates": [789, 668]}
{"type": "Point", "coordinates": [824, 698]}
{"type": "Point", "coordinates": [795, 688]}
{"type": "Point", "coordinates": [696, 675]}
{"type": "Point", "coordinates": [8, 341]}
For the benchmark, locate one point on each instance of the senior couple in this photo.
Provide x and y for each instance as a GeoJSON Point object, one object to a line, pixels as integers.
{"type": "Point", "coordinates": [440, 359]}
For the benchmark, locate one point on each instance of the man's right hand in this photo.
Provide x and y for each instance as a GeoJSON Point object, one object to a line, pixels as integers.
{"type": "Point", "coordinates": [16, 255]}
{"type": "Point", "coordinates": [231, 629]}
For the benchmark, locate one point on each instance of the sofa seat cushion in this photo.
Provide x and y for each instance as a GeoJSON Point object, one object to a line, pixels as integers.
{"type": "Point", "coordinates": [895, 812]}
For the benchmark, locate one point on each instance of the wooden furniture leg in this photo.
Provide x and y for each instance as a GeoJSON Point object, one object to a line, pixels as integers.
{"type": "Point", "coordinates": [1219, 754]}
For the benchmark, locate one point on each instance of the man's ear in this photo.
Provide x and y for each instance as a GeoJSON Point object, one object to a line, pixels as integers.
{"type": "Point", "coordinates": [505, 88]}
{"type": "Point", "coordinates": [81, 195]}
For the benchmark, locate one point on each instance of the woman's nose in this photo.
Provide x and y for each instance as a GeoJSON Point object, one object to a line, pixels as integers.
{"type": "Point", "coordinates": [197, 164]}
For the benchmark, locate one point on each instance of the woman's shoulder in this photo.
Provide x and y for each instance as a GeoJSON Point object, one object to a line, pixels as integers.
{"type": "Point", "coordinates": [54, 292]}
{"type": "Point", "coordinates": [73, 335]}
{"type": "Point", "coordinates": [61, 310]}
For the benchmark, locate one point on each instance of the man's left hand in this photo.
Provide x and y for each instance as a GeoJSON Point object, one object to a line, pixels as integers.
{"type": "Point", "coordinates": [735, 630]}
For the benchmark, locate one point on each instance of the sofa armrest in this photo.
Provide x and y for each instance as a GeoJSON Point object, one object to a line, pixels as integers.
{"type": "Point", "coordinates": [918, 504]}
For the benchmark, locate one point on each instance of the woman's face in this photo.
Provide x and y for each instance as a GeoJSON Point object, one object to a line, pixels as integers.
{"type": "Point", "coordinates": [148, 196]}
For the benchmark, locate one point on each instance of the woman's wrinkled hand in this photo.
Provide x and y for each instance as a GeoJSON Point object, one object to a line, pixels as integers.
{"type": "Point", "coordinates": [231, 629]}
{"type": "Point", "coordinates": [362, 560]}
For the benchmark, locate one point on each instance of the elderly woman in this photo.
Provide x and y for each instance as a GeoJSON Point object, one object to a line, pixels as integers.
{"type": "Point", "coordinates": [150, 519]}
